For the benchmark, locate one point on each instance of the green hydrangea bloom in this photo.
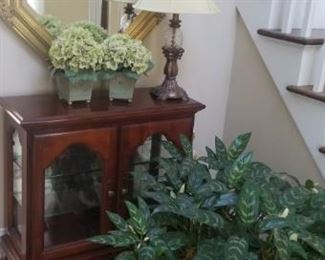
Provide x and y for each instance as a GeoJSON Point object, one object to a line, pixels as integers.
{"type": "Point", "coordinates": [53, 24]}
{"type": "Point", "coordinates": [75, 49]}
{"type": "Point", "coordinates": [98, 33]}
{"type": "Point", "coordinates": [124, 53]}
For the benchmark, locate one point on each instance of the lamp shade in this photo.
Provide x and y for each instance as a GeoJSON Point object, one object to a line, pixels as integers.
{"type": "Point", "coordinates": [178, 6]}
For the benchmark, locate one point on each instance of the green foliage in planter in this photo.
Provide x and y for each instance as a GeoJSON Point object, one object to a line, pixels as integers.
{"type": "Point", "coordinates": [231, 207]}
{"type": "Point", "coordinates": [141, 235]}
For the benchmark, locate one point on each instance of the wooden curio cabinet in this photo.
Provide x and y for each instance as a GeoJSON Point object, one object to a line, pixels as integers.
{"type": "Point", "coordinates": [65, 166]}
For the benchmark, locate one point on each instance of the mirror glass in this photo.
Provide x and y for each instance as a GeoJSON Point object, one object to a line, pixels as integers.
{"type": "Point", "coordinates": [105, 13]}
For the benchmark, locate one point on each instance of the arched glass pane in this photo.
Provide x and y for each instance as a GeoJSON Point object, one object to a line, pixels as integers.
{"type": "Point", "coordinates": [145, 159]}
{"type": "Point", "coordinates": [72, 196]}
{"type": "Point", "coordinates": [17, 182]}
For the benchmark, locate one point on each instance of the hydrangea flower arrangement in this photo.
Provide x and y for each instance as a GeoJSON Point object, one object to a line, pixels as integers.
{"type": "Point", "coordinates": [126, 55]}
{"type": "Point", "coordinates": [98, 33]}
{"type": "Point", "coordinates": [52, 24]}
{"type": "Point", "coordinates": [76, 52]}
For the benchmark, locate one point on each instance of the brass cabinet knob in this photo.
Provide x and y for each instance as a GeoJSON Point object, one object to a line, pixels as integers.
{"type": "Point", "coordinates": [124, 192]}
{"type": "Point", "coordinates": [111, 194]}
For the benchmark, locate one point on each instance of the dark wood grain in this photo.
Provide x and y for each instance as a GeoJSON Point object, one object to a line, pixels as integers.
{"type": "Point", "coordinates": [47, 127]}
{"type": "Point", "coordinates": [47, 111]}
{"type": "Point", "coordinates": [307, 91]}
{"type": "Point", "coordinates": [317, 37]}
{"type": "Point", "coordinates": [322, 150]}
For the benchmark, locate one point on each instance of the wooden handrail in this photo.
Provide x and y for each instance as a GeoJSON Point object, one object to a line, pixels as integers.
{"type": "Point", "coordinates": [322, 150]}
{"type": "Point", "coordinates": [307, 91]}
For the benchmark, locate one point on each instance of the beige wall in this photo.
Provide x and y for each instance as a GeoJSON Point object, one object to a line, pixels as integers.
{"type": "Point", "coordinates": [255, 105]}
{"type": "Point", "coordinates": [68, 10]}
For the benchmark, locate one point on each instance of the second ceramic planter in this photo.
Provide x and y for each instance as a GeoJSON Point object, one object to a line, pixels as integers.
{"type": "Point", "coordinates": [121, 87]}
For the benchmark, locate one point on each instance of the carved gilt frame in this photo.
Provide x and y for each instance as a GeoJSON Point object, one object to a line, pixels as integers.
{"type": "Point", "coordinates": [18, 16]}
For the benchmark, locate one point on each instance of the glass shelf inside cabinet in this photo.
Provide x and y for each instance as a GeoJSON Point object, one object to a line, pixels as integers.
{"type": "Point", "coordinates": [72, 196]}
{"type": "Point", "coordinates": [17, 182]}
{"type": "Point", "coordinates": [145, 160]}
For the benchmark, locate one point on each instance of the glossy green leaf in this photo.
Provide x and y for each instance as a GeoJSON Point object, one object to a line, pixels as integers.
{"type": "Point", "coordinates": [137, 220]}
{"type": "Point", "coordinates": [212, 160]}
{"type": "Point", "coordinates": [127, 255]}
{"type": "Point", "coordinates": [249, 203]}
{"type": "Point", "coordinates": [144, 208]}
{"type": "Point", "coordinates": [172, 150]}
{"type": "Point", "coordinates": [236, 248]}
{"type": "Point", "coordinates": [211, 187]}
{"type": "Point", "coordinates": [148, 182]}
{"type": "Point", "coordinates": [252, 256]}
{"type": "Point", "coordinates": [236, 173]}
{"type": "Point", "coordinates": [268, 202]}
{"type": "Point", "coordinates": [186, 167]}
{"type": "Point", "coordinates": [147, 253]}
{"type": "Point", "coordinates": [210, 249]}
{"type": "Point", "coordinates": [116, 239]}
{"type": "Point", "coordinates": [209, 218]}
{"type": "Point", "coordinates": [297, 249]}
{"type": "Point", "coordinates": [221, 150]}
{"type": "Point", "coordinates": [300, 222]}
{"type": "Point", "coordinates": [160, 197]}
{"type": "Point", "coordinates": [187, 146]}
{"type": "Point", "coordinates": [313, 241]}
{"type": "Point", "coordinates": [295, 197]}
{"type": "Point", "coordinates": [162, 249]}
{"type": "Point", "coordinates": [272, 223]}
{"type": "Point", "coordinates": [281, 243]}
{"type": "Point", "coordinates": [197, 177]}
{"type": "Point", "coordinates": [227, 199]}
{"type": "Point", "coordinates": [176, 240]}
{"type": "Point", "coordinates": [118, 221]}
{"type": "Point", "coordinates": [238, 146]}
{"type": "Point", "coordinates": [317, 200]}
{"type": "Point", "coordinates": [259, 172]}
{"type": "Point", "coordinates": [171, 168]}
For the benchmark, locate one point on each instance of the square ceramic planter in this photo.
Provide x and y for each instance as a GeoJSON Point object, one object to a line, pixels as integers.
{"type": "Point", "coordinates": [121, 87]}
{"type": "Point", "coordinates": [72, 91]}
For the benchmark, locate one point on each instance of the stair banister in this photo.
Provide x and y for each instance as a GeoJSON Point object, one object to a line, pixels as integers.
{"type": "Point", "coordinates": [308, 18]}
{"type": "Point", "coordinates": [319, 71]}
{"type": "Point", "coordinates": [288, 15]}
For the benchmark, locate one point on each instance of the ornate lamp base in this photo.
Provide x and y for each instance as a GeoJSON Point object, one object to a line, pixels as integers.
{"type": "Point", "coordinates": [170, 88]}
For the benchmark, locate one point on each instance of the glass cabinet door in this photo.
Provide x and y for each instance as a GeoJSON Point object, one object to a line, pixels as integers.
{"type": "Point", "coordinates": [72, 189]}
{"type": "Point", "coordinates": [74, 177]}
{"type": "Point", "coordinates": [145, 160]}
{"type": "Point", "coordinates": [17, 183]}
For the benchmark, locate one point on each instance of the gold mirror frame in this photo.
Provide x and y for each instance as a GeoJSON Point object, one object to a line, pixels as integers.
{"type": "Point", "coordinates": [18, 16]}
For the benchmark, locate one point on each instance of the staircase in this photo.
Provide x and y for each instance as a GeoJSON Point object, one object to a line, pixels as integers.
{"type": "Point", "coordinates": [289, 34]}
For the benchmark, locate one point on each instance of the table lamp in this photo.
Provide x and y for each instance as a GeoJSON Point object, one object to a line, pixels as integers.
{"type": "Point", "coordinates": [129, 14]}
{"type": "Point", "coordinates": [172, 48]}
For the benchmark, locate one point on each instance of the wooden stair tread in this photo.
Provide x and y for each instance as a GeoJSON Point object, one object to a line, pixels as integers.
{"type": "Point", "coordinates": [307, 91]}
{"type": "Point", "coordinates": [317, 38]}
{"type": "Point", "coordinates": [322, 150]}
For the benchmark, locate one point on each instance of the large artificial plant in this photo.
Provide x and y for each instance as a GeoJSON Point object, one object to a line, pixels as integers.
{"type": "Point", "coordinates": [222, 206]}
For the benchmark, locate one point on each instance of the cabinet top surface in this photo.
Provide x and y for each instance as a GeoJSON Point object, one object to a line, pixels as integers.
{"type": "Point", "coordinates": [41, 110]}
